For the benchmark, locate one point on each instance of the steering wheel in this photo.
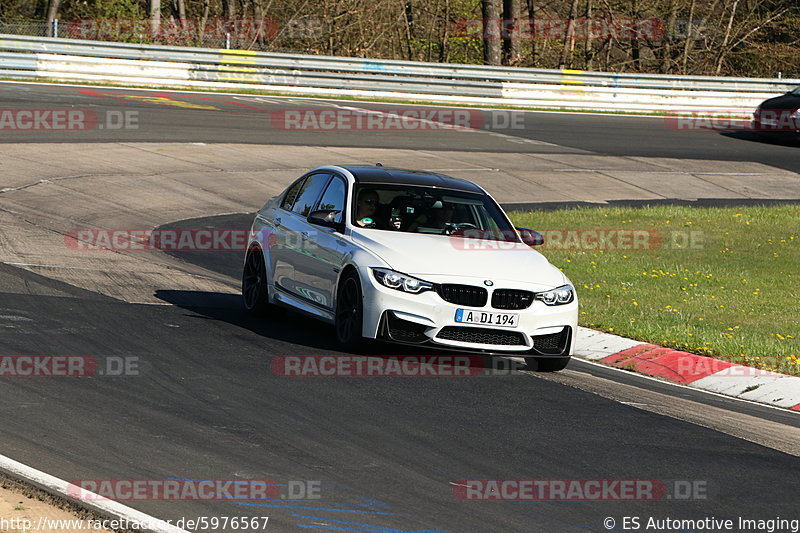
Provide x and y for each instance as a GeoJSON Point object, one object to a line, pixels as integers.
{"type": "Point", "coordinates": [459, 228]}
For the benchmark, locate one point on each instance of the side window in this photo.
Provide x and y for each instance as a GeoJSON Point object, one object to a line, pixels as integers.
{"type": "Point", "coordinates": [334, 197]}
{"type": "Point", "coordinates": [308, 193]}
{"type": "Point", "coordinates": [291, 193]}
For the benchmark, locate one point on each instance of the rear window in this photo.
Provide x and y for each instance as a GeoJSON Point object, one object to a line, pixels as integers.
{"type": "Point", "coordinates": [309, 193]}
{"type": "Point", "coordinates": [291, 193]}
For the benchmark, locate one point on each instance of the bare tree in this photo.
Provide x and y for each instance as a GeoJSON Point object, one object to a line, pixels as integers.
{"type": "Point", "coordinates": [726, 38]}
{"type": "Point", "coordinates": [409, 19]}
{"type": "Point", "coordinates": [687, 44]}
{"type": "Point", "coordinates": [155, 17]}
{"type": "Point", "coordinates": [532, 26]}
{"type": "Point", "coordinates": [635, 50]}
{"type": "Point", "coordinates": [588, 49]}
{"type": "Point", "coordinates": [229, 9]}
{"type": "Point", "coordinates": [52, 13]}
{"type": "Point", "coordinates": [669, 33]}
{"type": "Point", "coordinates": [180, 8]}
{"type": "Point", "coordinates": [491, 31]}
{"type": "Point", "coordinates": [569, 40]}
{"type": "Point", "coordinates": [511, 32]}
{"type": "Point", "coordinates": [444, 55]}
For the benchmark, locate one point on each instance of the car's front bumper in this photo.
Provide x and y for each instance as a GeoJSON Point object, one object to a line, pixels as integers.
{"type": "Point", "coordinates": [428, 319]}
{"type": "Point", "coordinates": [775, 122]}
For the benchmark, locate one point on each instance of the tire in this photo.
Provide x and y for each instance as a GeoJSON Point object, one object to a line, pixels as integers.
{"type": "Point", "coordinates": [255, 290]}
{"type": "Point", "coordinates": [546, 364]}
{"type": "Point", "coordinates": [349, 312]}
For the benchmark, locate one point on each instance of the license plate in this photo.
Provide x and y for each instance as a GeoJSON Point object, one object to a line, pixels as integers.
{"type": "Point", "coordinates": [503, 320]}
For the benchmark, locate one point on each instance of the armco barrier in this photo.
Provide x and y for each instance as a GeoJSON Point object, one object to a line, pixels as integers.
{"type": "Point", "coordinates": [25, 57]}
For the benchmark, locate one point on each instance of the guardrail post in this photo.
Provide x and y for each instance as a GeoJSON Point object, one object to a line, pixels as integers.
{"type": "Point", "coordinates": [227, 41]}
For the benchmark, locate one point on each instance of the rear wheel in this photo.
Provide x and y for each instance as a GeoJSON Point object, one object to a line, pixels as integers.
{"type": "Point", "coordinates": [546, 364]}
{"type": "Point", "coordinates": [349, 312]}
{"type": "Point", "coordinates": [255, 292]}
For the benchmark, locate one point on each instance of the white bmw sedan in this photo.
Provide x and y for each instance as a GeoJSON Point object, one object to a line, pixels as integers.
{"type": "Point", "coordinates": [410, 257]}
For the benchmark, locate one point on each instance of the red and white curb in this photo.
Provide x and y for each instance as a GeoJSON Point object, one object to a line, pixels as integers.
{"type": "Point", "coordinates": [689, 369]}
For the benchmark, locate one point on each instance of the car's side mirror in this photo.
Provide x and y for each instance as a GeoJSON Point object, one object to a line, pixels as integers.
{"type": "Point", "coordinates": [530, 237]}
{"type": "Point", "coordinates": [324, 217]}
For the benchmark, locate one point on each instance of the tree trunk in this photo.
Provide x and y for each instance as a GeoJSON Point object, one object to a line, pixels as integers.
{"type": "Point", "coordinates": [202, 29]}
{"type": "Point", "coordinates": [635, 41]}
{"type": "Point", "coordinates": [155, 18]}
{"type": "Point", "coordinates": [532, 31]}
{"type": "Point", "coordinates": [52, 13]}
{"type": "Point", "coordinates": [726, 38]}
{"type": "Point", "coordinates": [569, 39]}
{"type": "Point", "coordinates": [180, 8]}
{"type": "Point", "coordinates": [229, 14]}
{"type": "Point", "coordinates": [444, 50]}
{"type": "Point", "coordinates": [491, 31]}
{"type": "Point", "coordinates": [687, 44]}
{"type": "Point", "coordinates": [511, 33]}
{"type": "Point", "coordinates": [588, 43]}
{"type": "Point", "coordinates": [409, 16]}
{"type": "Point", "coordinates": [666, 42]}
{"type": "Point", "coordinates": [229, 9]}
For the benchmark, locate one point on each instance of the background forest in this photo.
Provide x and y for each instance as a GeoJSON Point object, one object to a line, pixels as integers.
{"type": "Point", "coordinates": [699, 37]}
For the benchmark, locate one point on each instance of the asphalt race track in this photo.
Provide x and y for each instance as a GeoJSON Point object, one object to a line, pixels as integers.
{"type": "Point", "coordinates": [244, 119]}
{"type": "Point", "coordinates": [386, 453]}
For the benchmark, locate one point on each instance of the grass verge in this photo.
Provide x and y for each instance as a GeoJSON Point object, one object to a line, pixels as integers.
{"type": "Point", "coordinates": [723, 282]}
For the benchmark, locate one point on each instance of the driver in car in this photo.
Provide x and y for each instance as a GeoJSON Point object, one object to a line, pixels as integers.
{"type": "Point", "coordinates": [441, 217]}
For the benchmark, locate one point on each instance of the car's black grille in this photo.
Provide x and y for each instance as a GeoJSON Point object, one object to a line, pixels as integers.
{"type": "Point", "coordinates": [482, 336]}
{"type": "Point", "coordinates": [553, 344]}
{"type": "Point", "coordinates": [463, 294]}
{"type": "Point", "coordinates": [511, 299]}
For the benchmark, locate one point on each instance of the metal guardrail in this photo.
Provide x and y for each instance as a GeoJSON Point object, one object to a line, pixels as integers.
{"type": "Point", "coordinates": [68, 59]}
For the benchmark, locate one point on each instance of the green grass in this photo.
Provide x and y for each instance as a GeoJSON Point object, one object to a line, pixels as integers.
{"type": "Point", "coordinates": [731, 293]}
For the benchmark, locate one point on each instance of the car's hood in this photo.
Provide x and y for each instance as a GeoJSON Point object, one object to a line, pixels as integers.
{"type": "Point", "coordinates": [433, 257]}
{"type": "Point", "coordinates": [786, 101]}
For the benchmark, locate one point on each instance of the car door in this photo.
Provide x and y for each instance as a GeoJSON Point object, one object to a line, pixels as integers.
{"type": "Point", "coordinates": [294, 229]}
{"type": "Point", "coordinates": [324, 248]}
{"type": "Point", "coordinates": [273, 236]}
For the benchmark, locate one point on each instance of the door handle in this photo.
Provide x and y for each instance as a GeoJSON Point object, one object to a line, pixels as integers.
{"type": "Point", "coordinates": [278, 221]}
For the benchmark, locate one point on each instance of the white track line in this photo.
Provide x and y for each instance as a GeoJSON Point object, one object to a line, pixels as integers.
{"type": "Point", "coordinates": [58, 487]}
{"type": "Point", "coordinates": [322, 99]}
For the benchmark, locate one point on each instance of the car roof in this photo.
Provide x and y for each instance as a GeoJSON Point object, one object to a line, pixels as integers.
{"type": "Point", "coordinates": [400, 176]}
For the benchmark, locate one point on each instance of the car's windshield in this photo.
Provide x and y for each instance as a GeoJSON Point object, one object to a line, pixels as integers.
{"type": "Point", "coordinates": [413, 209]}
{"type": "Point", "coordinates": [796, 92]}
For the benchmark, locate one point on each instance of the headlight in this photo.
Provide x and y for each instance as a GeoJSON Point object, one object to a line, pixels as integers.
{"type": "Point", "coordinates": [559, 296]}
{"type": "Point", "coordinates": [400, 282]}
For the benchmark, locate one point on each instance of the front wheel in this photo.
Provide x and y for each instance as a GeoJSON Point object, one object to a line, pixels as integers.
{"type": "Point", "coordinates": [546, 364]}
{"type": "Point", "coordinates": [255, 293]}
{"type": "Point", "coordinates": [349, 312]}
